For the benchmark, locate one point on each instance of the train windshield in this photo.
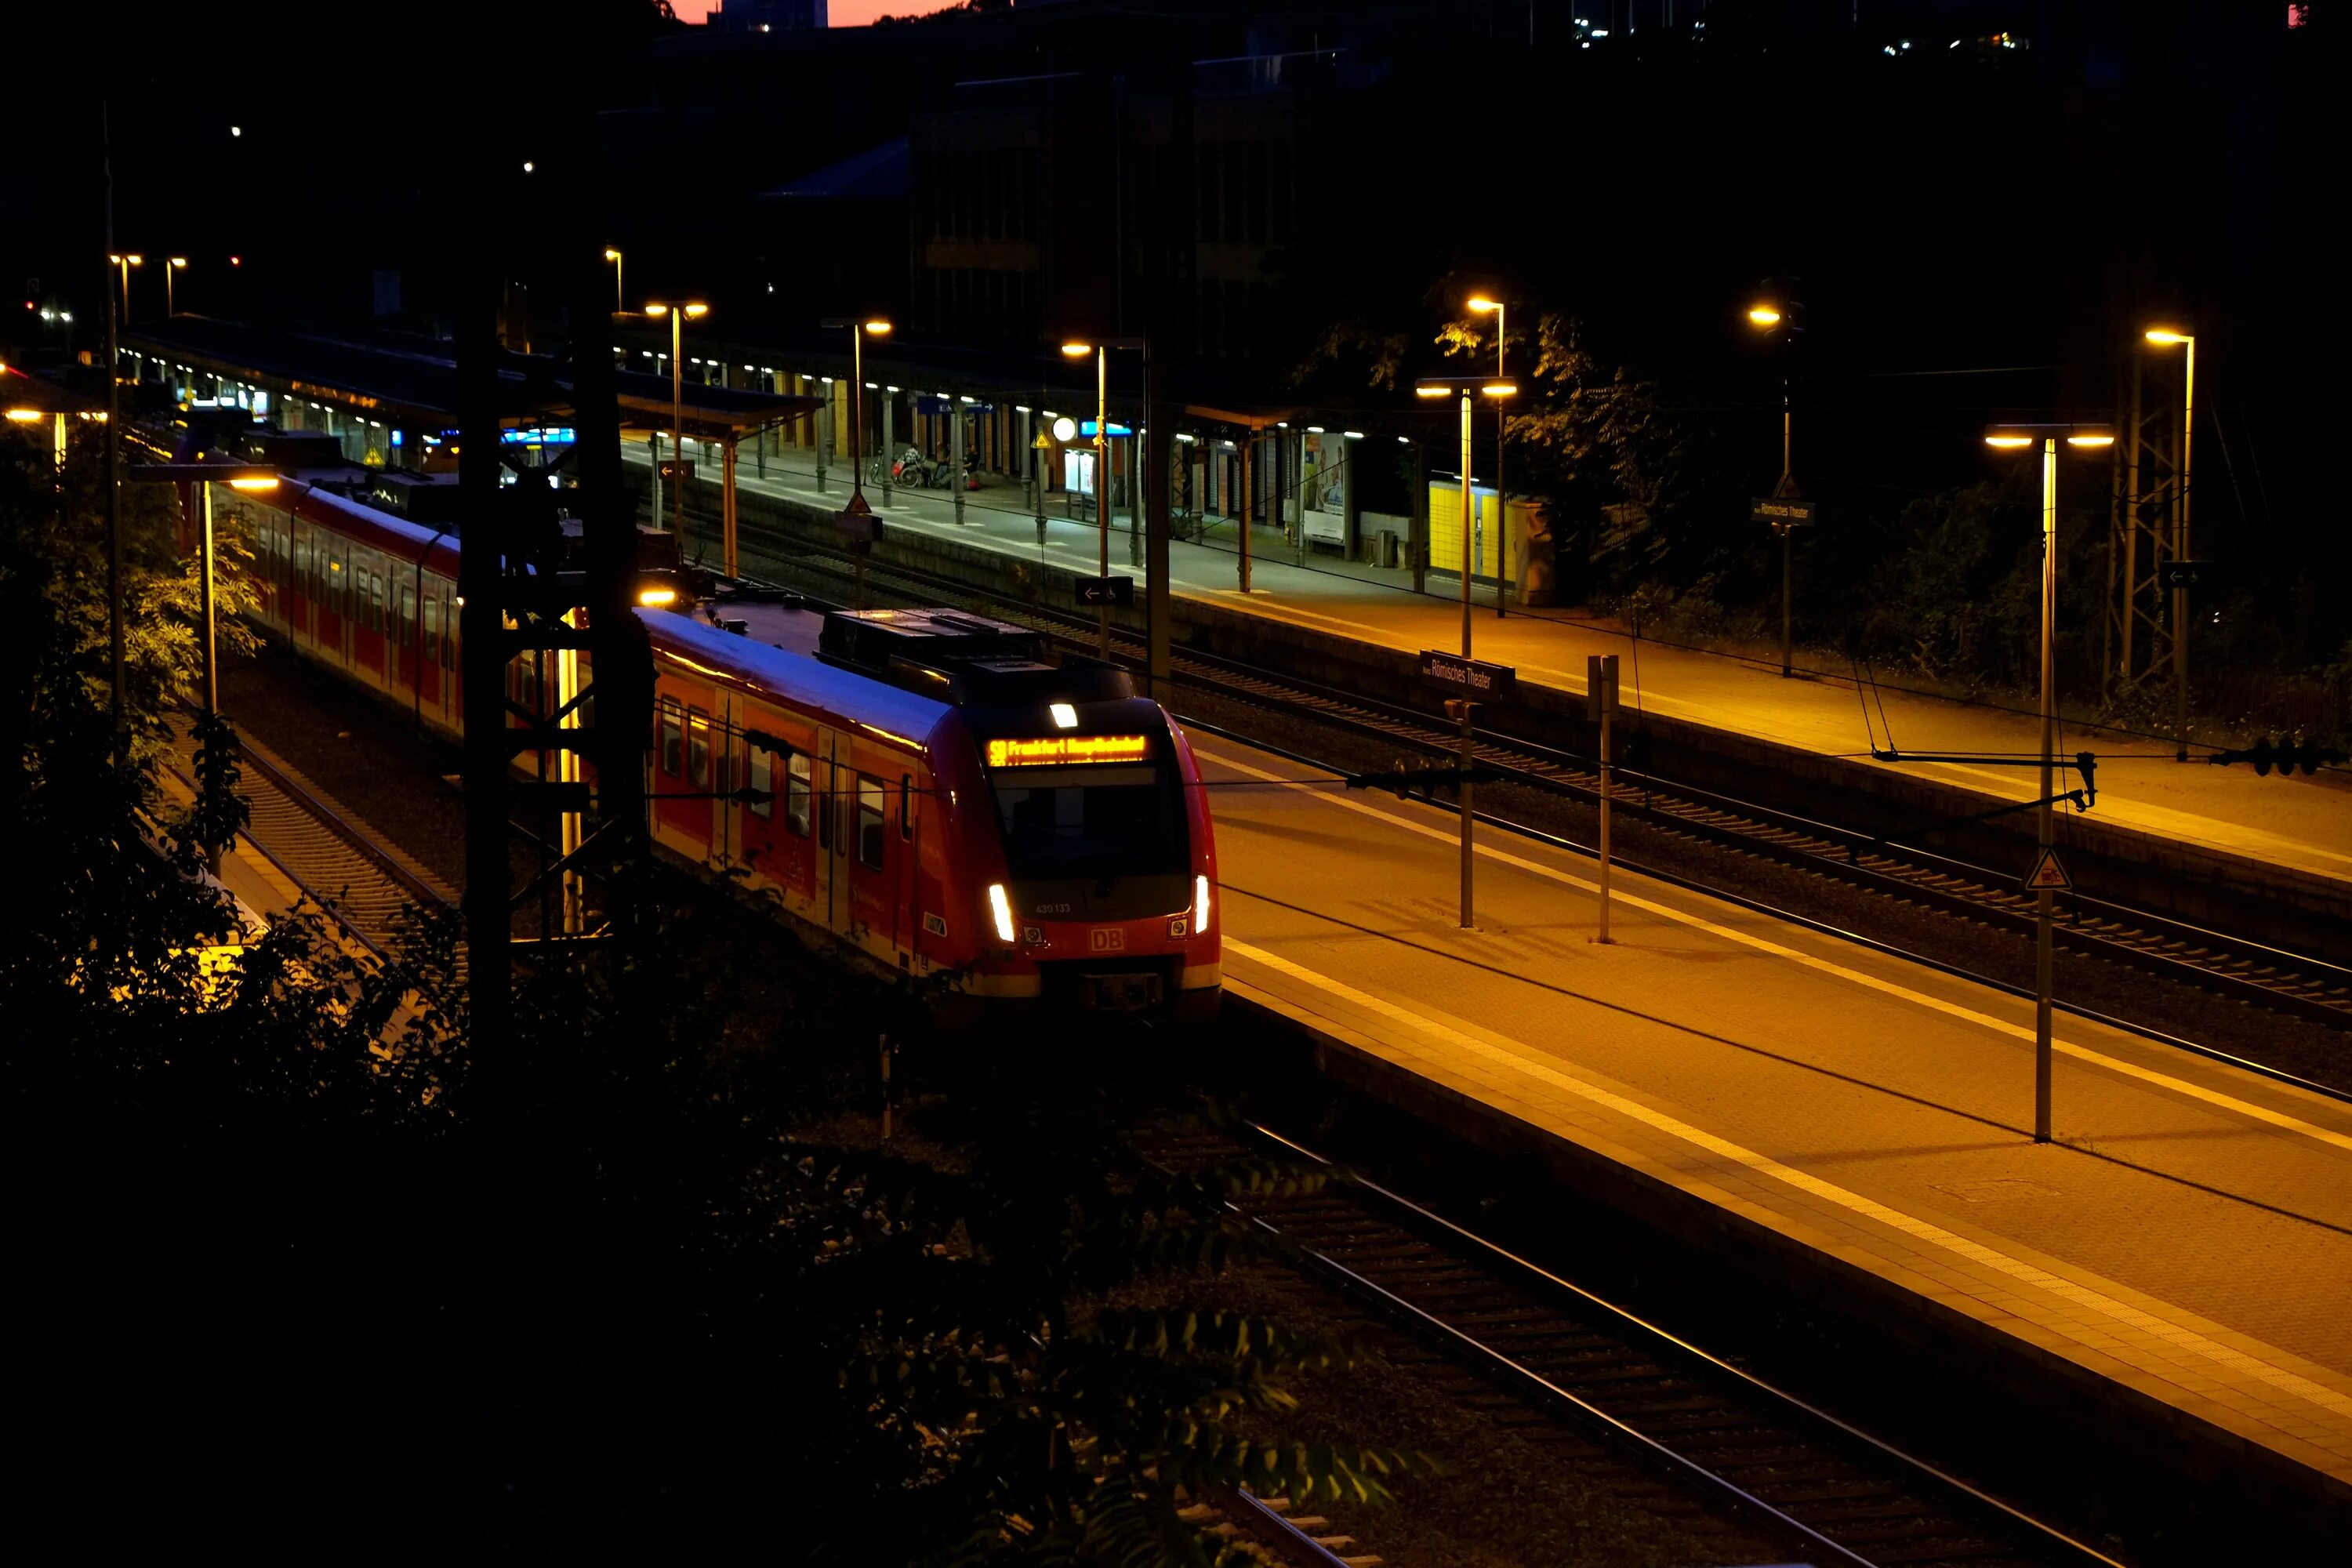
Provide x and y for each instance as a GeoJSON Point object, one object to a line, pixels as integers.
{"type": "Point", "coordinates": [1091, 820]}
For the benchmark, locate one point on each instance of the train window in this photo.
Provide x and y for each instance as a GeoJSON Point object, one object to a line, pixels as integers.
{"type": "Point", "coordinates": [673, 743]}
{"type": "Point", "coordinates": [698, 748]}
{"type": "Point", "coordinates": [449, 643]}
{"type": "Point", "coordinates": [906, 806]}
{"type": "Point", "coordinates": [871, 801]}
{"type": "Point", "coordinates": [526, 684]}
{"type": "Point", "coordinates": [1091, 820]}
{"type": "Point", "coordinates": [433, 629]}
{"type": "Point", "coordinates": [763, 779]}
{"type": "Point", "coordinates": [797, 793]}
{"type": "Point", "coordinates": [375, 604]}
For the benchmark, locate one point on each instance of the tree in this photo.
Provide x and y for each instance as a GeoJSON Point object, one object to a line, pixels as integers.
{"type": "Point", "coordinates": [283, 1249]}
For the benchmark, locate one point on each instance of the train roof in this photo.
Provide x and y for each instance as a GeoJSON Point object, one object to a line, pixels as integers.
{"type": "Point", "coordinates": [844, 697]}
{"type": "Point", "coordinates": [963, 658]}
{"type": "Point", "coordinates": [376, 528]}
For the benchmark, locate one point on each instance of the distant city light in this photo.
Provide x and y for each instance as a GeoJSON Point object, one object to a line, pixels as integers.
{"type": "Point", "coordinates": [237, 130]}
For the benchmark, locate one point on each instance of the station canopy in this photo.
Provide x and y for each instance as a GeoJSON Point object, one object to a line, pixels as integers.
{"type": "Point", "coordinates": [414, 382]}
{"type": "Point", "coordinates": [708, 413]}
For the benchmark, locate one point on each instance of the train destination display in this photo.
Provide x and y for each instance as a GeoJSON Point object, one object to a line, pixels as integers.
{"type": "Point", "coordinates": [1055, 750]}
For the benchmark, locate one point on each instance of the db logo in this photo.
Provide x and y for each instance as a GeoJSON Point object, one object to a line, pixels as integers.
{"type": "Point", "coordinates": [1106, 941]}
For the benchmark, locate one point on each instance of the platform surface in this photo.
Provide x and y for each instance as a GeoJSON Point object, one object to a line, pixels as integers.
{"type": "Point", "coordinates": [2301, 822]}
{"type": "Point", "coordinates": [2189, 1233]}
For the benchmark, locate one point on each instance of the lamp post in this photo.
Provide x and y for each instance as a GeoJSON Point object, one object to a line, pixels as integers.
{"type": "Point", "coordinates": [1501, 310]}
{"type": "Point", "coordinates": [678, 315]}
{"type": "Point", "coordinates": [1466, 388]}
{"type": "Point", "coordinates": [123, 264]}
{"type": "Point", "coordinates": [2017, 439]}
{"type": "Point", "coordinates": [858, 329]}
{"type": "Point", "coordinates": [237, 477]}
{"type": "Point", "coordinates": [1767, 316]}
{"type": "Point", "coordinates": [613, 257]}
{"type": "Point", "coordinates": [1100, 348]}
{"type": "Point", "coordinates": [171, 265]}
{"type": "Point", "coordinates": [2166, 337]}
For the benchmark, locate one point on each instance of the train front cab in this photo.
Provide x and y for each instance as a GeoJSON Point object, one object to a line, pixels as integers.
{"type": "Point", "coordinates": [1090, 840]}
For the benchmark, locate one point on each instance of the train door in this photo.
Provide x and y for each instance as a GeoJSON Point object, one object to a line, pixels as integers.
{"type": "Point", "coordinates": [887, 809]}
{"type": "Point", "coordinates": [334, 622]}
{"type": "Point", "coordinates": [305, 589]}
{"type": "Point", "coordinates": [683, 772]}
{"type": "Point", "coordinates": [836, 826]}
{"type": "Point", "coordinates": [874, 855]}
{"type": "Point", "coordinates": [428, 654]}
{"type": "Point", "coordinates": [403, 661]}
{"type": "Point", "coordinates": [726, 825]}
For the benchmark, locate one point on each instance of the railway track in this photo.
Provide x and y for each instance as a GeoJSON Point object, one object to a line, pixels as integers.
{"type": "Point", "coordinates": [338, 864]}
{"type": "Point", "coordinates": [1712, 1433]}
{"type": "Point", "coordinates": [2247, 971]}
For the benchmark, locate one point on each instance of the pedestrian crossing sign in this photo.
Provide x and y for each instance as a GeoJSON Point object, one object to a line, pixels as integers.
{"type": "Point", "coordinates": [2047, 873]}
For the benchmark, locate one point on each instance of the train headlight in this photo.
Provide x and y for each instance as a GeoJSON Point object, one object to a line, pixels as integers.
{"type": "Point", "coordinates": [1000, 908]}
{"type": "Point", "coordinates": [1200, 906]}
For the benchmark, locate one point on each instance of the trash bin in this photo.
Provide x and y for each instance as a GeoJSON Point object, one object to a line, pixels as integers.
{"type": "Point", "coordinates": [1392, 550]}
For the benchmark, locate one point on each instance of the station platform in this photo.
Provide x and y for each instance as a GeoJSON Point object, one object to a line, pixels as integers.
{"type": "Point", "coordinates": [2179, 1258]}
{"type": "Point", "coordinates": [2302, 823]}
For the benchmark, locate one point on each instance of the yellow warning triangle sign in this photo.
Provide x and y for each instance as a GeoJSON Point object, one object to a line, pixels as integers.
{"type": "Point", "coordinates": [2048, 873]}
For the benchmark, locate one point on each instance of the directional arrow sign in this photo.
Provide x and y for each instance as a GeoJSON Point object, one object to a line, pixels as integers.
{"type": "Point", "coordinates": [2048, 874]}
{"type": "Point", "coordinates": [1106, 590]}
{"type": "Point", "coordinates": [2182, 573]}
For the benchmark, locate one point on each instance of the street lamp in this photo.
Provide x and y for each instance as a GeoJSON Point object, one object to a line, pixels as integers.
{"type": "Point", "coordinates": [2165, 337]}
{"type": "Point", "coordinates": [1100, 348]}
{"type": "Point", "coordinates": [678, 315]}
{"type": "Point", "coordinates": [237, 477]}
{"type": "Point", "coordinates": [1466, 387]}
{"type": "Point", "coordinates": [613, 256]}
{"type": "Point", "coordinates": [2018, 438]}
{"type": "Point", "coordinates": [1768, 315]}
{"type": "Point", "coordinates": [1501, 310]}
{"type": "Point", "coordinates": [858, 329]}
{"type": "Point", "coordinates": [171, 265]}
{"type": "Point", "coordinates": [123, 264]}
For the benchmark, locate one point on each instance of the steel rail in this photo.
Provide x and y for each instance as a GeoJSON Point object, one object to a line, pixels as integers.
{"type": "Point", "coordinates": [1986, 894]}
{"type": "Point", "coordinates": [328, 908]}
{"type": "Point", "coordinates": [334, 822]}
{"type": "Point", "coordinates": [1825, 928]}
{"type": "Point", "coordinates": [1943, 1498]}
{"type": "Point", "coordinates": [2292, 981]}
{"type": "Point", "coordinates": [1677, 1346]}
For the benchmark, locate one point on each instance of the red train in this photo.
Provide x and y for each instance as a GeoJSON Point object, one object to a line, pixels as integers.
{"type": "Point", "coordinates": [937, 797]}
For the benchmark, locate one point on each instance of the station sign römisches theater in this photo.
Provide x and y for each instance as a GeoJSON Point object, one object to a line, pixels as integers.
{"type": "Point", "coordinates": [1469, 677]}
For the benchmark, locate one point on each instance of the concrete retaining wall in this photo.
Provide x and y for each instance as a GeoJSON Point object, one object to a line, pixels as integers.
{"type": "Point", "coordinates": [2279, 905]}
